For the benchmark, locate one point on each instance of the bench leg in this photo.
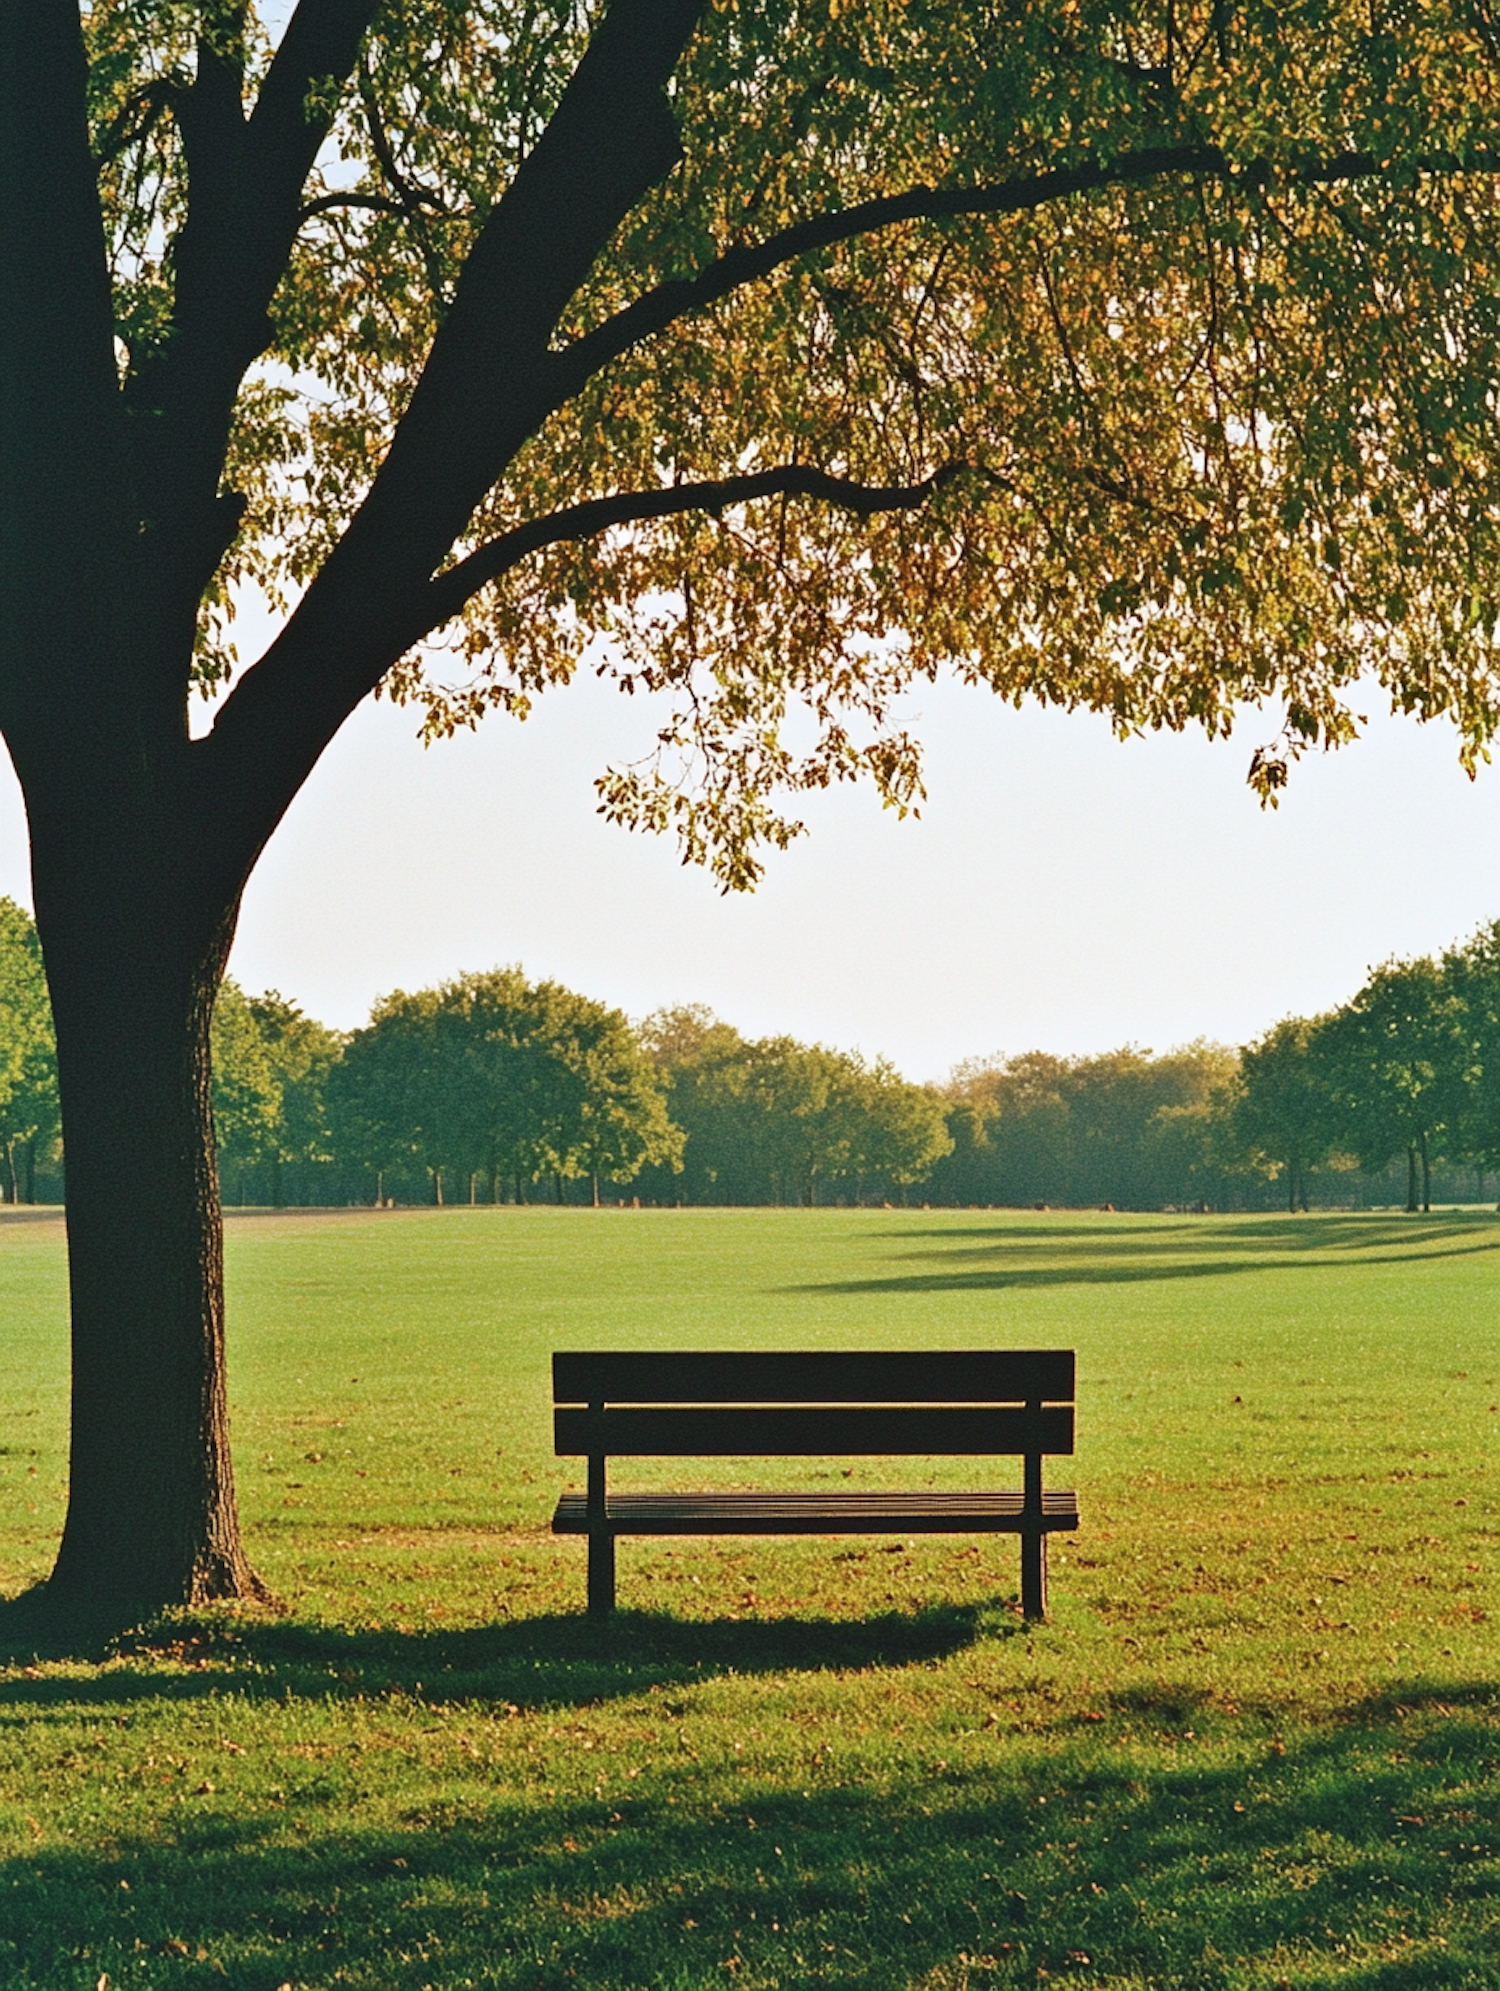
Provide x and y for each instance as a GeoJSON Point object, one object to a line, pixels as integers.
{"type": "Point", "coordinates": [601, 1575]}
{"type": "Point", "coordinates": [1034, 1576]}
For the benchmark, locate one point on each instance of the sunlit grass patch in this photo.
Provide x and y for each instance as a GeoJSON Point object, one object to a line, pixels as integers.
{"type": "Point", "coordinates": [1258, 1743]}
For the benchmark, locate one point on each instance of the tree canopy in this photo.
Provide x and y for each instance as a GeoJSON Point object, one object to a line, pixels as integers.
{"type": "Point", "coordinates": [1134, 358]}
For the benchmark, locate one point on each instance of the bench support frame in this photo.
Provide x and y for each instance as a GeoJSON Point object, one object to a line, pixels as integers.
{"type": "Point", "coordinates": [1031, 1515]}
{"type": "Point", "coordinates": [601, 1543]}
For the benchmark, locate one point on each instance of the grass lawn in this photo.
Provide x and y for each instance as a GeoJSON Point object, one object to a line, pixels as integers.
{"type": "Point", "coordinates": [1257, 1744]}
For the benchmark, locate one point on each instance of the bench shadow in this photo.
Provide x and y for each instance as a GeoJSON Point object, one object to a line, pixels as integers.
{"type": "Point", "coordinates": [1169, 1865]}
{"type": "Point", "coordinates": [559, 1660]}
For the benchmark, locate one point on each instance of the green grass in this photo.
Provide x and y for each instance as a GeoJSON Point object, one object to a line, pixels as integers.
{"type": "Point", "coordinates": [1257, 1744]}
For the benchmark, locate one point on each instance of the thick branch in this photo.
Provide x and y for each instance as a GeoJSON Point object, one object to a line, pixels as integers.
{"type": "Point", "coordinates": [59, 499]}
{"type": "Point", "coordinates": [445, 596]}
{"type": "Point", "coordinates": [489, 380]}
{"type": "Point", "coordinates": [663, 306]}
{"type": "Point", "coordinates": [245, 186]}
{"type": "Point", "coordinates": [488, 383]}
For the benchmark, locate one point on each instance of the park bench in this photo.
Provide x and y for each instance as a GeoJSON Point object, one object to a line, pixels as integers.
{"type": "Point", "coordinates": [979, 1402]}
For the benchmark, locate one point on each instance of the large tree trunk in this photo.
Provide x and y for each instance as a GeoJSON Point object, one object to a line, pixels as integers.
{"type": "Point", "coordinates": [152, 1516]}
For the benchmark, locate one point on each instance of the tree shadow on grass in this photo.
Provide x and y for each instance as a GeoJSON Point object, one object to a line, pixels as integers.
{"type": "Point", "coordinates": [1315, 1230]}
{"type": "Point", "coordinates": [560, 1660]}
{"type": "Point", "coordinates": [1076, 1254]}
{"type": "Point", "coordinates": [1361, 1857]}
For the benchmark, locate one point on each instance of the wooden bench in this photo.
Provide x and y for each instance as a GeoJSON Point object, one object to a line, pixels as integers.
{"type": "Point", "coordinates": [984, 1401]}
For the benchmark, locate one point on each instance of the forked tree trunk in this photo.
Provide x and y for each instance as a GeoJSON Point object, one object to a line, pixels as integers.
{"type": "Point", "coordinates": [114, 520]}
{"type": "Point", "coordinates": [152, 1517]}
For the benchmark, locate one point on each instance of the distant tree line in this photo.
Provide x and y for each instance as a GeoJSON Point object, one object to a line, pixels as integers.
{"type": "Point", "coordinates": [492, 1088]}
{"type": "Point", "coordinates": [775, 1121]}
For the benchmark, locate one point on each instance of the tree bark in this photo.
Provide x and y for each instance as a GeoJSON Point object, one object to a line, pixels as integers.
{"type": "Point", "coordinates": [152, 1515]}
{"type": "Point", "coordinates": [1411, 1176]}
{"type": "Point", "coordinates": [1426, 1173]}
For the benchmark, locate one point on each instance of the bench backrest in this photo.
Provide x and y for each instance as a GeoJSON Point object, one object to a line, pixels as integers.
{"type": "Point", "coordinates": [976, 1401]}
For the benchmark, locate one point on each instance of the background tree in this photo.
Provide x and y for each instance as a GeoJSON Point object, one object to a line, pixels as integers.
{"type": "Point", "coordinates": [1016, 1144]}
{"type": "Point", "coordinates": [1125, 1128]}
{"type": "Point", "coordinates": [700, 1063]}
{"type": "Point", "coordinates": [899, 1131]}
{"type": "Point", "coordinates": [1397, 1067]}
{"type": "Point", "coordinates": [247, 1096]}
{"type": "Point", "coordinates": [29, 1112]}
{"type": "Point", "coordinates": [301, 1052]}
{"type": "Point", "coordinates": [516, 1102]}
{"type": "Point", "coordinates": [1135, 359]}
{"type": "Point", "coordinates": [623, 1121]}
{"type": "Point", "coordinates": [775, 1121]}
{"type": "Point", "coordinates": [1285, 1107]}
{"type": "Point", "coordinates": [495, 1077]}
{"type": "Point", "coordinates": [1472, 972]}
{"type": "Point", "coordinates": [384, 1093]}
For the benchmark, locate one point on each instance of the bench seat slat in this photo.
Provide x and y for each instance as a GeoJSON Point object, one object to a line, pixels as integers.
{"type": "Point", "coordinates": [812, 1432]}
{"type": "Point", "coordinates": [813, 1513]}
{"type": "Point", "coordinates": [984, 1375]}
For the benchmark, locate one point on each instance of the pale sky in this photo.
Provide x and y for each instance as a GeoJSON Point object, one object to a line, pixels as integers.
{"type": "Point", "coordinates": [1062, 890]}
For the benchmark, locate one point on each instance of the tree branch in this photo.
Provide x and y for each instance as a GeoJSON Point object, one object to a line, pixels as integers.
{"type": "Point", "coordinates": [663, 306]}
{"type": "Point", "coordinates": [411, 198]}
{"type": "Point", "coordinates": [447, 593]}
{"type": "Point", "coordinates": [245, 183]}
{"type": "Point", "coordinates": [380, 203]}
{"type": "Point", "coordinates": [490, 377]}
{"type": "Point", "coordinates": [136, 117]}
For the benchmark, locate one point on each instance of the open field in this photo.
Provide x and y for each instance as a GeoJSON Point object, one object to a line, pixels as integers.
{"type": "Point", "coordinates": [1257, 1745]}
